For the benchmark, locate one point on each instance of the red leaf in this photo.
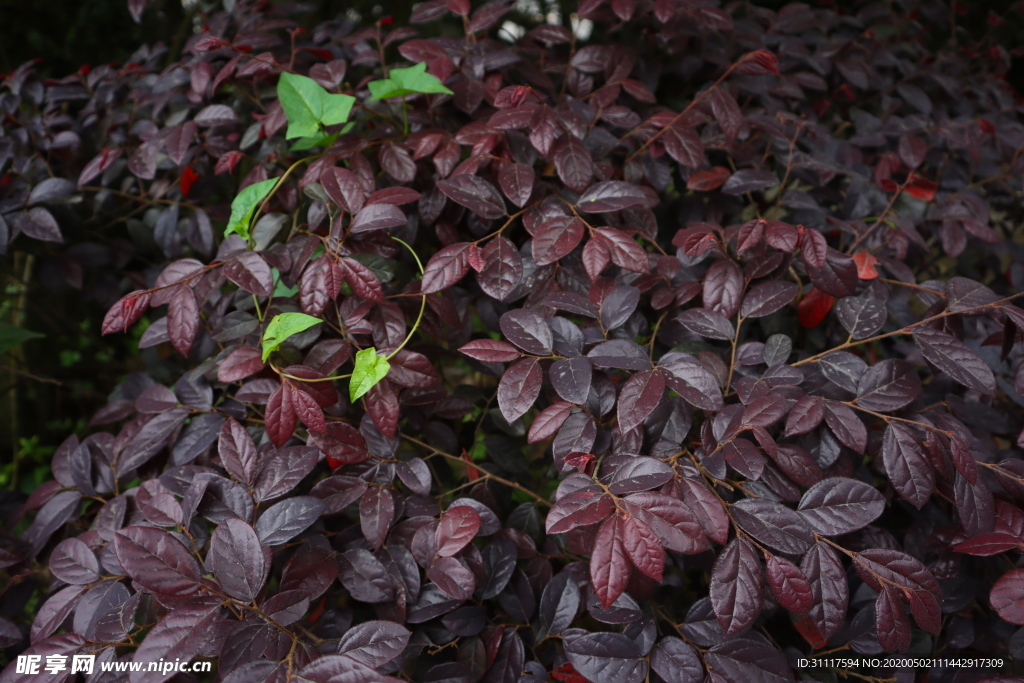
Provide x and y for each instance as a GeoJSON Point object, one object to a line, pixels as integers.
{"type": "Point", "coordinates": [548, 421]}
{"type": "Point", "coordinates": [813, 247]}
{"type": "Point", "coordinates": [567, 674]}
{"type": "Point", "coordinates": [891, 623]}
{"type": "Point", "coordinates": [640, 395]}
{"type": "Point", "coordinates": [446, 267]}
{"type": "Point", "coordinates": [376, 511]}
{"type": "Point", "coordinates": [188, 176]}
{"type": "Point", "coordinates": [183, 318]}
{"type": "Point", "coordinates": [989, 544]}
{"type": "Point", "coordinates": [243, 362]}
{"type": "Point", "coordinates": [382, 405]}
{"type": "Point", "coordinates": [865, 265]}
{"type": "Point", "coordinates": [361, 279]}
{"type": "Point", "coordinates": [642, 546]}
{"type": "Point", "coordinates": [609, 564]}
{"type": "Point", "coordinates": [307, 410]}
{"type": "Point", "coordinates": [471, 472]}
{"type": "Point", "coordinates": [457, 528]}
{"type": "Point", "coordinates": [759, 62]}
{"type": "Point", "coordinates": [227, 162]}
{"type": "Point", "coordinates": [582, 508]}
{"type": "Point", "coordinates": [921, 188]}
{"type": "Point", "coordinates": [737, 586]}
{"type": "Point", "coordinates": [707, 179]}
{"type": "Point", "coordinates": [519, 388]}
{"type": "Point", "coordinates": [280, 418]}
{"type": "Point", "coordinates": [789, 585]}
{"type": "Point", "coordinates": [475, 255]}
{"type": "Point", "coordinates": [596, 256]}
{"type": "Point", "coordinates": [804, 625]}
{"type": "Point", "coordinates": [925, 608]}
{"type": "Point", "coordinates": [125, 312]}
{"type": "Point", "coordinates": [99, 164]}
{"type": "Point", "coordinates": [490, 351]}
{"type": "Point", "coordinates": [814, 307]}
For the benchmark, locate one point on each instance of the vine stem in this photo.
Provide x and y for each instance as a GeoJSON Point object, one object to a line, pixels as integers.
{"type": "Point", "coordinates": [497, 232]}
{"type": "Point", "coordinates": [423, 301]}
{"type": "Point", "coordinates": [908, 328]}
{"type": "Point", "coordinates": [419, 319]}
{"type": "Point", "coordinates": [697, 100]}
{"type": "Point", "coordinates": [867, 233]}
{"type": "Point", "coordinates": [128, 195]}
{"type": "Point", "coordinates": [277, 186]}
{"type": "Point", "coordinates": [483, 473]}
{"type": "Point", "coordinates": [654, 335]}
{"type": "Point", "coordinates": [893, 418]}
{"type": "Point", "coordinates": [732, 359]}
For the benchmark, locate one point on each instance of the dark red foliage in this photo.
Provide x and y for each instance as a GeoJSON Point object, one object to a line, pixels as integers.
{"type": "Point", "coordinates": [714, 360]}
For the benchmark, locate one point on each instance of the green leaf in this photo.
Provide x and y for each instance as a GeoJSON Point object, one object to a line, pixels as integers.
{"type": "Point", "coordinates": [370, 369]}
{"type": "Point", "coordinates": [321, 140]}
{"type": "Point", "coordinates": [409, 81]}
{"type": "Point", "coordinates": [284, 326]}
{"type": "Point", "coordinates": [11, 336]}
{"type": "Point", "coordinates": [244, 206]}
{"type": "Point", "coordinates": [308, 106]}
{"type": "Point", "coordinates": [283, 290]}
{"type": "Point", "coordinates": [280, 288]}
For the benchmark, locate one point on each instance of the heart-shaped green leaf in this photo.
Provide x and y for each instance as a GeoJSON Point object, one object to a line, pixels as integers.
{"type": "Point", "coordinates": [412, 80]}
{"type": "Point", "coordinates": [370, 369]}
{"type": "Point", "coordinates": [308, 106]}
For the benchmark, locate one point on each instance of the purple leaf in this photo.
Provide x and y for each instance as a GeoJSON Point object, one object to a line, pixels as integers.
{"type": "Point", "coordinates": [610, 195]}
{"type": "Point", "coordinates": [737, 586]}
{"type": "Point", "coordinates": [456, 530]}
{"type": "Point", "coordinates": [377, 217]}
{"type": "Point", "coordinates": [476, 194]}
{"type": "Point", "coordinates": [157, 561]}
{"type": "Point", "coordinates": [838, 506]}
{"type": "Point", "coordinates": [774, 525]}
{"type": "Point", "coordinates": [519, 388]}
{"type": "Point", "coordinates": [639, 397]}
{"type": "Point", "coordinates": [606, 657]}
{"type": "Point", "coordinates": [749, 180]}
{"type": "Point", "coordinates": [954, 358]}
{"type": "Point", "coordinates": [906, 465]}
{"type": "Point", "coordinates": [238, 559]}
{"type": "Point", "coordinates": [888, 385]}
{"type": "Point", "coordinates": [283, 521]}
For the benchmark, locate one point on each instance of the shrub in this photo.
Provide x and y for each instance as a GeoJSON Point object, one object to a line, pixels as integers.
{"type": "Point", "coordinates": [563, 358]}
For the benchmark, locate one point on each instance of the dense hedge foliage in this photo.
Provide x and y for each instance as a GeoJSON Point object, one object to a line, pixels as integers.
{"type": "Point", "coordinates": [680, 347]}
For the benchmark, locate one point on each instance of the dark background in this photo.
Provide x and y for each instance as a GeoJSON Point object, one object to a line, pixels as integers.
{"type": "Point", "coordinates": [51, 386]}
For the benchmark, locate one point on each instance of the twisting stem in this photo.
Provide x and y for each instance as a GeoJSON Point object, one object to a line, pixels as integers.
{"type": "Point", "coordinates": [277, 186]}
{"type": "Point", "coordinates": [419, 318]}
{"type": "Point", "coordinates": [423, 301]}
